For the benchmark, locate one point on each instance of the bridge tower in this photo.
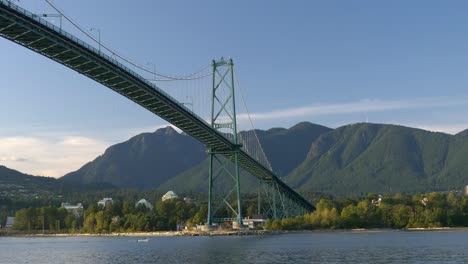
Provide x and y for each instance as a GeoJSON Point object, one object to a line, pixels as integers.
{"type": "Point", "coordinates": [224, 198]}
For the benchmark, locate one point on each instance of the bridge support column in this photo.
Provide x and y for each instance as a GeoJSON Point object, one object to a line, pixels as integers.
{"type": "Point", "coordinates": [224, 197]}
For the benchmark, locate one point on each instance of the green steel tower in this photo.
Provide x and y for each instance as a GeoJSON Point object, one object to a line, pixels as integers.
{"type": "Point", "coordinates": [224, 198]}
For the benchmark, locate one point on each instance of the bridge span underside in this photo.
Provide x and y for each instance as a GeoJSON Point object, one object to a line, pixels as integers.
{"type": "Point", "coordinates": [34, 33]}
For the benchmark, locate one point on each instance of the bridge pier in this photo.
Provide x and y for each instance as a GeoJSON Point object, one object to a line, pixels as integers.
{"type": "Point", "coordinates": [224, 196]}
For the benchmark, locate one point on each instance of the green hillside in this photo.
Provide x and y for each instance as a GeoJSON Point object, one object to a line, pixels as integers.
{"type": "Point", "coordinates": [363, 158]}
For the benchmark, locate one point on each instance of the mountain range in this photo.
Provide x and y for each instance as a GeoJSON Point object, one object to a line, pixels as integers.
{"type": "Point", "coordinates": [350, 160]}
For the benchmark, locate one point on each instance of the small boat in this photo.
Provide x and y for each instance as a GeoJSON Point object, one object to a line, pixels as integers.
{"type": "Point", "coordinates": [143, 240]}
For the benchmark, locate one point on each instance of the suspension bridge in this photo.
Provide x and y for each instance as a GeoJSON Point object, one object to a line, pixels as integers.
{"type": "Point", "coordinates": [175, 99]}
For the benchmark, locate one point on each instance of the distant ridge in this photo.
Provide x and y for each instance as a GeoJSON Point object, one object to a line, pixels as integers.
{"type": "Point", "coordinates": [7, 175]}
{"type": "Point", "coordinates": [13, 182]}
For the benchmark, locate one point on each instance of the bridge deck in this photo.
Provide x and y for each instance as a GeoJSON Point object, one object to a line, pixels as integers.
{"type": "Point", "coordinates": [34, 33]}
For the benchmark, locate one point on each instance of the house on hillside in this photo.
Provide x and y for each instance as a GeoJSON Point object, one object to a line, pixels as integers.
{"type": "Point", "coordinates": [376, 202]}
{"type": "Point", "coordinates": [424, 201]}
{"type": "Point", "coordinates": [145, 203]}
{"type": "Point", "coordinates": [75, 209]}
{"type": "Point", "coordinates": [105, 201]}
{"type": "Point", "coordinates": [170, 195]}
{"type": "Point", "coordinates": [189, 200]}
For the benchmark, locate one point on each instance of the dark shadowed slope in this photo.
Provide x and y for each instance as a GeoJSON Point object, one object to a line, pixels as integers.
{"type": "Point", "coordinates": [144, 161]}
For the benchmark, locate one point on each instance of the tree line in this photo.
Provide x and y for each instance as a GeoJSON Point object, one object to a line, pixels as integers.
{"type": "Point", "coordinates": [398, 211]}
{"type": "Point", "coordinates": [116, 217]}
{"type": "Point", "coordinates": [122, 216]}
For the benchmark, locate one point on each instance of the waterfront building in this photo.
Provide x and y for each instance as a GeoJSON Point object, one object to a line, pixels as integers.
{"type": "Point", "coordinates": [145, 203]}
{"type": "Point", "coordinates": [256, 222]}
{"type": "Point", "coordinates": [105, 201]}
{"type": "Point", "coordinates": [75, 209]}
{"type": "Point", "coordinates": [10, 221]}
{"type": "Point", "coordinates": [170, 195]}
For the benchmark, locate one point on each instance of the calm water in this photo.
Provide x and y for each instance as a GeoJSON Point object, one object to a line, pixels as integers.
{"type": "Point", "coordinates": [317, 247]}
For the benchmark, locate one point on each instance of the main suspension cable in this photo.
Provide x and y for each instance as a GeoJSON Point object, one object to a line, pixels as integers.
{"type": "Point", "coordinates": [114, 53]}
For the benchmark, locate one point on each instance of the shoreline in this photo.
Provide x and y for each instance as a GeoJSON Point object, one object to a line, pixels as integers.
{"type": "Point", "coordinates": [229, 232]}
{"type": "Point", "coordinates": [148, 234]}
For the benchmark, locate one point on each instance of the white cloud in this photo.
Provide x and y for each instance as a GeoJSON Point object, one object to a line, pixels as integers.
{"type": "Point", "coordinates": [47, 157]}
{"type": "Point", "coordinates": [77, 141]}
{"type": "Point", "coordinates": [362, 106]}
{"type": "Point", "coordinates": [11, 159]}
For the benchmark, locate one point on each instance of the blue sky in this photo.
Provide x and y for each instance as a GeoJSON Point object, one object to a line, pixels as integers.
{"type": "Point", "coordinates": [327, 62]}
